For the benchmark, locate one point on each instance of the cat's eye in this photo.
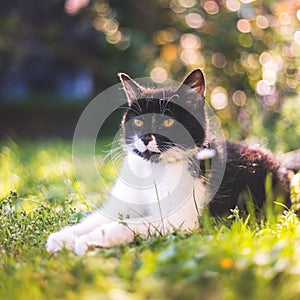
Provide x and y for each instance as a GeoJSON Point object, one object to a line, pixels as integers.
{"type": "Point", "coordinates": [168, 122]}
{"type": "Point", "coordinates": [138, 122]}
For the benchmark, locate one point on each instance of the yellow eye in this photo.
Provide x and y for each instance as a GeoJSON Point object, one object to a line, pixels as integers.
{"type": "Point", "coordinates": [138, 123]}
{"type": "Point", "coordinates": [168, 122]}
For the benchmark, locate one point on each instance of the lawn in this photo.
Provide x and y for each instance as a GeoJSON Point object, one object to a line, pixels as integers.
{"type": "Point", "coordinates": [235, 258]}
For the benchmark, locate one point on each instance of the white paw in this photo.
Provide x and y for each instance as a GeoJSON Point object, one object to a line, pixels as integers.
{"type": "Point", "coordinates": [90, 240]}
{"type": "Point", "coordinates": [108, 235]}
{"type": "Point", "coordinates": [64, 238]}
{"type": "Point", "coordinates": [80, 247]}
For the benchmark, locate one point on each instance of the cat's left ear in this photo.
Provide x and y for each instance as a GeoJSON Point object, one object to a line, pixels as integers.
{"type": "Point", "coordinates": [132, 89]}
{"type": "Point", "coordinates": [191, 92]}
{"type": "Point", "coordinates": [195, 81]}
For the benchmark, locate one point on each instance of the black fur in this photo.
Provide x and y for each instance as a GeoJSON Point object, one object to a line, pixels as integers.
{"type": "Point", "coordinates": [247, 168]}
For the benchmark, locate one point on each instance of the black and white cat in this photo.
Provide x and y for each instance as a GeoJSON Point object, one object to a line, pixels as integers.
{"type": "Point", "coordinates": [173, 169]}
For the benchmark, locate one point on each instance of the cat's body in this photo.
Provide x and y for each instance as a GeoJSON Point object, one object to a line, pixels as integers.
{"type": "Point", "coordinates": [247, 168]}
{"type": "Point", "coordinates": [173, 169]}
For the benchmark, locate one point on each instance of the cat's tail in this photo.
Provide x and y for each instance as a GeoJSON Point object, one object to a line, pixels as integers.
{"type": "Point", "coordinates": [290, 160]}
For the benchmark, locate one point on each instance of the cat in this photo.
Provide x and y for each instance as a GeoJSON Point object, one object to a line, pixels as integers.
{"type": "Point", "coordinates": [174, 168]}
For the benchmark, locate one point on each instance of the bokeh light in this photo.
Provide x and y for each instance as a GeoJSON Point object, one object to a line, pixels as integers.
{"type": "Point", "coordinates": [190, 56]}
{"type": "Point", "coordinates": [162, 37]}
{"type": "Point", "coordinates": [263, 88]}
{"type": "Point", "coordinates": [194, 20]}
{"type": "Point", "coordinates": [106, 23]}
{"type": "Point", "coordinates": [187, 3]}
{"type": "Point", "coordinates": [219, 98]}
{"type": "Point", "coordinates": [169, 52]}
{"type": "Point", "coordinates": [239, 98]}
{"type": "Point", "coordinates": [233, 5]}
{"type": "Point", "coordinates": [262, 22]}
{"type": "Point", "coordinates": [264, 58]}
{"type": "Point", "coordinates": [114, 38]}
{"type": "Point", "coordinates": [158, 74]}
{"type": "Point", "coordinates": [100, 23]}
{"type": "Point", "coordinates": [190, 41]}
{"type": "Point", "coordinates": [284, 18]}
{"type": "Point", "coordinates": [243, 26]}
{"type": "Point", "coordinates": [211, 7]}
{"type": "Point", "coordinates": [177, 7]}
{"type": "Point", "coordinates": [218, 60]}
{"type": "Point", "coordinates": [297, 37]}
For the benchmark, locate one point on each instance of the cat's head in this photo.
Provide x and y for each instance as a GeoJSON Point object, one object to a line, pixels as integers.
{"type": "Point", "coordinates": [161, 121]}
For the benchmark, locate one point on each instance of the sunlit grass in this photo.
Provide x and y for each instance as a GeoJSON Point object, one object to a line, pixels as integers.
{"type": "Point", "coordinates": [11, 170]}
{"type": "Point", "coordinates": [237, 258]}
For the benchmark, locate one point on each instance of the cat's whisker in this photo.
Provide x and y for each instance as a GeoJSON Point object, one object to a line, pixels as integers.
{"type": "Point", "coordinates": [114, 154]}
{"type": "Point", "coordinates": [113, 150]}
{"type": "Point", "coordinates": [116, 159]}
{"type": "Point", "coordinates": [164, 106]}
{"type": "Point", "coordinates": [136, 103]}
{"type": "Point", "coordinates": [134, 110]}
{"type": "Point", "coordinates": [115, 141]}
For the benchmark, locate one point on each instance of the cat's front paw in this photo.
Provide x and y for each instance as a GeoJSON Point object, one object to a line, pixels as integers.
{"type": "Point", "coordinates": [81, 246]}
{"type": "Point", "coordinates": [90, 240]}
{"type": "Point", "coordinates": [64, 238]}
{"type": "Point", "coordinates": [106, 236]}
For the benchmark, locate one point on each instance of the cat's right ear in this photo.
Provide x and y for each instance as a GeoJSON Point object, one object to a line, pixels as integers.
{"type": "Point", "coordinates": [132, 89]}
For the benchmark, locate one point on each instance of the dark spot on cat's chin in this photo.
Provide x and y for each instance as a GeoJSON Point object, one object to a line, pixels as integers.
{"type": "Point", "coordinates": [148, 155]}
{"type": "Point", "coordinates": [155, 157]}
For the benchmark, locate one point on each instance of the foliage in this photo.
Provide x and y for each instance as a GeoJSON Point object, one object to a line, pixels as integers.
{"type": "Point", "coordinates": [248, 49]}
{"type": "Point", "coordinates": [236, 258]}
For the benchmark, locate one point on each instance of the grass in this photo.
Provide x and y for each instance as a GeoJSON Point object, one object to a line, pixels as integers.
{"type": "Point", "coordinates": [237, 258]}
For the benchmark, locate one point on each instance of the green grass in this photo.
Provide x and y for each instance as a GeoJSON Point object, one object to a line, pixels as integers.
{"type": "Point", "coordinates": [235, 258]}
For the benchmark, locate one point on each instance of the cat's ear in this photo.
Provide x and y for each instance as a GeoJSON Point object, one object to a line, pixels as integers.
{"type": "Point", "coordinates": [195, 81]}
{"type": "Point", "coordinates": [132, 89]}
{"type": "Point", "coordinates": [191, 92]}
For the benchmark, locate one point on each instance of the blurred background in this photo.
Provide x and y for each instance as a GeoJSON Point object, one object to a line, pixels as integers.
{"type": "Point", "coordinates": [56, 55]}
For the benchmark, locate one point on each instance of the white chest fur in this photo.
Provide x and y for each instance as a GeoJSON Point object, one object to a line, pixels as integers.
{"type": "Point", "coordinates": [157, 190]}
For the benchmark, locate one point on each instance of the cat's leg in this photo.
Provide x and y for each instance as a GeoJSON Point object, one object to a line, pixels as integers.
{"type": "Point", "coordinates": [107, 235]}
{"type": "Point", "coordinates": [119, 204]}
{"type": "Point", "coordinates": [115, 233]}
{"type": "Point", "coordinates": [66, 237]}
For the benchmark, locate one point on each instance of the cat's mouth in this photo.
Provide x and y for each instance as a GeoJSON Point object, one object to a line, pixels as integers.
{"type": "Point", "coordinates": [148, 155]}
{"type": "Point", "coordinates": [147, 147]}
{"type": "Point", "coordinates": [146, 143]}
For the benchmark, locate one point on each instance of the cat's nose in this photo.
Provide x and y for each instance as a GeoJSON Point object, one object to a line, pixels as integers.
{"type": "Point", "coordinates": [147, 138]}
